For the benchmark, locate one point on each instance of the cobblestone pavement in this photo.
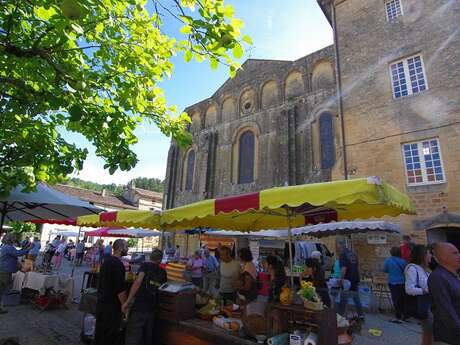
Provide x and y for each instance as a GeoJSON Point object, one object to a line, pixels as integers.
{"type": "Point", "coordinates": [62, 327]}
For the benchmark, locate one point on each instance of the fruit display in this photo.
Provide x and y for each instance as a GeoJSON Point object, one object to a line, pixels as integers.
{"type": "Point", "coordinates": [227, 323]}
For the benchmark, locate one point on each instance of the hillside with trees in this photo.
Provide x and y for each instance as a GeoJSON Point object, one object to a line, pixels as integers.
{"type": "Point", "coordinates": [153, 184]}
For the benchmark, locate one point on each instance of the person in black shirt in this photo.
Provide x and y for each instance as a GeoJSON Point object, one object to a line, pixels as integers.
{"type": "Point", "coordinates": [111, 295]}
{"type": "Point", "coordinates": [141, 320]}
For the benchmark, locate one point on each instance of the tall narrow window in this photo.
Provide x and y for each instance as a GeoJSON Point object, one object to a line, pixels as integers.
{"type": "Point", "coordinates": [190, 168]}
{"type": "Point", "coordinates": [394, 9]}
{"type": "Point", "coordinates": [246, 151]}
{"type": "Point", "coordinates": [326, 135]}
{"type": "Point", "coordinates": [408, 77]}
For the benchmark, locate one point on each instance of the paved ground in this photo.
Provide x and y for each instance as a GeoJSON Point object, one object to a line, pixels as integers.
{"type": "Point", "coordinates": [62, 327]}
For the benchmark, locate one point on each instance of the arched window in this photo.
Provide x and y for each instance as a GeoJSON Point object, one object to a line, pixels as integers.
{"type": "Point", "coordinates": [246, 151]}
{"type": "Point", "coordinates": [326, 136]}
{"type": "Point", "coordinates": [189, 170]}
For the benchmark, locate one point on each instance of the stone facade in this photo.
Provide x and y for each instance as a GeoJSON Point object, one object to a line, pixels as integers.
{"type": "Point", "coordinates": [377, 124]}
{"type": "Point", "coordinates": [280, 103]}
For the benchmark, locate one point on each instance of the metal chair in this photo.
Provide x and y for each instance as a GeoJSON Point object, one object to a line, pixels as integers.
{"type": "Point", "coordinates": [381, 291]}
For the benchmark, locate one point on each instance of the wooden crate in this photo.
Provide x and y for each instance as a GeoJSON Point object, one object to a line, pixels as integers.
{"type": "Point", "coordinates": [177, 307]}
{"type": "Point", "coordinates": [283, 318]}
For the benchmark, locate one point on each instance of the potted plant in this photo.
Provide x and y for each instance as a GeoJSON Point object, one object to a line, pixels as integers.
{"type": "Point", "coordinates": [309, 296]}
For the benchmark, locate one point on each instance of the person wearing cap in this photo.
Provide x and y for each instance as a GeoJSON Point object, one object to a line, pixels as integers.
{"type": "Point", "coordinates": [316, 254]}
{"type": "Point", "coordinates": [8, 265]}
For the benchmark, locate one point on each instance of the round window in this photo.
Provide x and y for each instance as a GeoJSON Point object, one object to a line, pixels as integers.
{"type": "Point", "coordinates": [247, 105]}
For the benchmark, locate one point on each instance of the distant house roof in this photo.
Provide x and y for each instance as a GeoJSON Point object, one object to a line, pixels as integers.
{"type": "Point", "coordinates": [149, 194]}
{"type": "Point", "coordinates": [100, 198]}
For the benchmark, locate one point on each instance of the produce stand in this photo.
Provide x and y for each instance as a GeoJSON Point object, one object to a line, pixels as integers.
{"type": "Point", "coordinates": [197, 332]}
{"type": "Point", "coordinates": [287, 318]}
{"type": "Point", "coordinates": [276, 208]}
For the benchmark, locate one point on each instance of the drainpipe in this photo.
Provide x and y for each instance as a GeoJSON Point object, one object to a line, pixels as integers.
{"type": "Point", "coordinates": [339, 90]}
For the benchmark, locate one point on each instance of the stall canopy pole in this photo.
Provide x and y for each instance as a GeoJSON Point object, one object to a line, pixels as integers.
{"type": "Point", "coordinates": [291, 266]}
{"type": "Point", "coordinates": [75, 258]}
{"type": "Point", "coordinates": [162, 239]}
{"type": "Point", "coordinates": [2, 217]}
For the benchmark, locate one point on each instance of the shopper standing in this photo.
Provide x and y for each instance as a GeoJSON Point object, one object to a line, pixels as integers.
{"type": "Point", "coordinates": [394, 266]}
{"type": "Point", "coordinates": [59, 254]}
{"type": "Point", "coordinates": [444, 286]}
{"type": "Point", "coordinates": [8, 265]}
{"type": "Point", "coordinates": [144, 292]}
{"type": "Point", "coordinates": [349, 270]}
{"type": "Point", "coordinates": [195, 264]}
{"type": "Point", "coordinates": [406, 248]}
{"type": "Point", "coordinates": [210, 272]}
{"type": "Point", "coordinates": [79, 252]}
{"type": "Point", "coordinates": [111, 295]}
{"type": "Point", "coordinates": [416, 286]}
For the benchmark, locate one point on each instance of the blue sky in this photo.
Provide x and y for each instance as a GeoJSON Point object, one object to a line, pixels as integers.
{"type": "Point", "coordinates": [285, 30]}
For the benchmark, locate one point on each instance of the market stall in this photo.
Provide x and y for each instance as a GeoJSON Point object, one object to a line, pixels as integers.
{"type": "Point", "coordinates": [276, 208]}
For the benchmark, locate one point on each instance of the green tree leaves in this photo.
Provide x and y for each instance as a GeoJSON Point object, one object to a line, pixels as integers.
{"type": "Point", "coordinates": [92, 67]}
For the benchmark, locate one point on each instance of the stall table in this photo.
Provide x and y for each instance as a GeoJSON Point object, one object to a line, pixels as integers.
{"type": "Point", "coordinates": [286, 318]}
{"type": "Point", "coordinates": [41, 282]}
{"type": "Point", "coordinates": [197, 332]}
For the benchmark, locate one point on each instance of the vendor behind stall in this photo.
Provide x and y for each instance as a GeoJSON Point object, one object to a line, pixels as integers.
{"type": "Point", "coordinates": [111, 295]}
{"type": "Point", "coordinates": [246, 284]}
{"type": "Point", "coordinates": [144, 292]}
{"type": "Point", "coordinates": [277, 274]}
{"type": "Point", "coordinates": [315, 274]}
{"type": "Point", "coordinates": [228, 272]}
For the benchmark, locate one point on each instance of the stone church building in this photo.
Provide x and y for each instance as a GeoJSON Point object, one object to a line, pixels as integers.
{"type": "Point", "coordinates": [383, 100]}
{"type": "Point", "coordinates": [274, 124]}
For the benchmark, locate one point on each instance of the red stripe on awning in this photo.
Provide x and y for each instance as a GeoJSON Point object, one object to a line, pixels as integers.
{"type": "Point", "coordinates": [237, 203]}
{"type": "Point", "coordinates": [108, 216]}
{"type": "Point", "coordinates": [325, 216]}
{"type": "Point", "coordinates": [54, 221]}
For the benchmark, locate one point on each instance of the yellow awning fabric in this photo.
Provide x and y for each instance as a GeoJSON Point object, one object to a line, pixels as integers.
{"type": "Point", "coordinates": [127, 218]}
{"type": "Point", "coordinates": [307, 204]}
{"type": "Point", "coordinates": [280, 207]}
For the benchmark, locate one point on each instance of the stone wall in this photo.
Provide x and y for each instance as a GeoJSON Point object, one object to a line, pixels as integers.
{"type": "Point", "coordinates": [377, 125]}
{"type": "Point", "coordinates": [280, 102]}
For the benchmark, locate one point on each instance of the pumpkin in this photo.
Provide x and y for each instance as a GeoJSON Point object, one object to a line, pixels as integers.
{"type": "Point", "coordinates": [286, 296]}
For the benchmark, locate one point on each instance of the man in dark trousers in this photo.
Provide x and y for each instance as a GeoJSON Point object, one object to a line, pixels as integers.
{"type": "Point", "coordinates": [111, 295]}
{"type": "Point", "coordinates": [349, 270]}
{"type": "Point", "coordinates": [444, 286]}
{"type": "Point", "coordinates": [144, 292]}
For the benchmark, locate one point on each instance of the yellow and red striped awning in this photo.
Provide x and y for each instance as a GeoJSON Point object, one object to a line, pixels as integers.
{"type": "Point", "coordinates": [280, 207]}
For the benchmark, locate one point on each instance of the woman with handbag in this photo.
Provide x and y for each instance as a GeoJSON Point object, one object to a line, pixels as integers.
{"type": "Point", "coordinates": [418, 300]}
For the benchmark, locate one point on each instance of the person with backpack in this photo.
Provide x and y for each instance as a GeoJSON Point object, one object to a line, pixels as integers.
{"type": "Point", "coordinates": [144, 292]}
{"type": "Point", "coordinates": [394, 266]}
{"type": "Point", "coordinates": [418, 300]}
